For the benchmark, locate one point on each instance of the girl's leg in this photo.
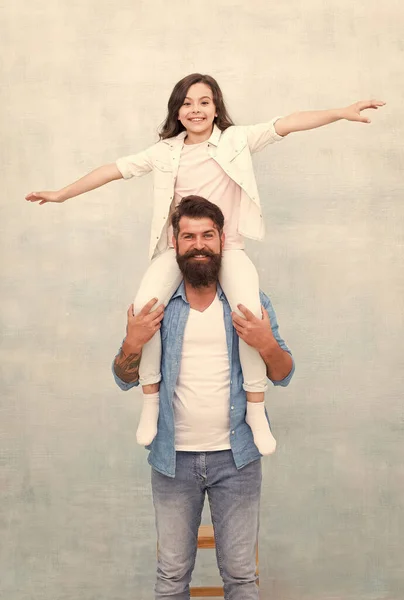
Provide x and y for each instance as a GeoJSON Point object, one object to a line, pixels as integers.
{"type": "Point", "coordinates": [239, 280]}
{"type": "Point", "coordinates": [160, 281]}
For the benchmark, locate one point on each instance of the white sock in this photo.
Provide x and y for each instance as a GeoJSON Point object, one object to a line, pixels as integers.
{"type": "Point", "coordinates": [256, 419]}
{"type": "Point", "coordinates": [147, 428]}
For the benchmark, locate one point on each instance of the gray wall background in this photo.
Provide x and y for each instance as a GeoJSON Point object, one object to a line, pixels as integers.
{"type": "Point", "coordinates": [84, 83]}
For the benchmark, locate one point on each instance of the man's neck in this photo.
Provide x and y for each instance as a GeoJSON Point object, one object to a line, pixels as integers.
{"type": "Point", "coordinates": [200, 298]}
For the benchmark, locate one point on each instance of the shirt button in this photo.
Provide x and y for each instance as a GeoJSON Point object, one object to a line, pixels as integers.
{"type": "Point", "coordinates": [232, 432]}
{"type": "Point", "coordinates": [232, 407]}
{"type": "Point", "coordinates": [231, 381]}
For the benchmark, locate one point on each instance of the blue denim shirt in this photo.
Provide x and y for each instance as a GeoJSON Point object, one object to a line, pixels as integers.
{"type": "Point", "coordinates": [162, 450]}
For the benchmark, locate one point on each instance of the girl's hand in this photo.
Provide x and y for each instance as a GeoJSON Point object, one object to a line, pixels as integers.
{"type": "Point", "coordinates": [353, 112]}
{"type": "Point", "coordinates": [43, 197]}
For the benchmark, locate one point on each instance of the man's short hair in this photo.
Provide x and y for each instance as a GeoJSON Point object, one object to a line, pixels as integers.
{"type": "Point", "coordinates": [196, 207]}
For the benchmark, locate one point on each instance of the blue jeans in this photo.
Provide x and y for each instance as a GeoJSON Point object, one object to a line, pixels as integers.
{"type": "Point", "coordinates": [234, 497]}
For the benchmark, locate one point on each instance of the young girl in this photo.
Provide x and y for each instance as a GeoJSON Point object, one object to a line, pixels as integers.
{"type": "Point", "coordinates": [202, 152]}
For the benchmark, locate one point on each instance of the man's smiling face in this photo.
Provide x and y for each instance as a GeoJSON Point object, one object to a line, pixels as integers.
{"type": "Point", "coordinates": [199, 250]}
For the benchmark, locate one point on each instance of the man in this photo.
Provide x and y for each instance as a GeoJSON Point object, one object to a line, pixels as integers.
{"type": "Point", "coordinates": [203, 443]}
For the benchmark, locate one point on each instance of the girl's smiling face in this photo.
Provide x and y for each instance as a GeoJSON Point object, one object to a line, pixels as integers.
{"type": "Point", "coordinates": [197, 113]}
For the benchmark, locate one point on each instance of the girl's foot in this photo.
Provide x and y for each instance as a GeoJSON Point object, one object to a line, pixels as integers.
{"type": "Point", "coordinates": [147, 428]}
{"type": "Point", "coordinates": [256, 419]}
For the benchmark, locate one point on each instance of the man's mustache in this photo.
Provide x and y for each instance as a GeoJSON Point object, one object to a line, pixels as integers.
{"type": "Point", "coordinates": [192, 253]}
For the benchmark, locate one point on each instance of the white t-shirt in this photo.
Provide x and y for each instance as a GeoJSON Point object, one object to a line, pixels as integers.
{"type": "Point", "coordinates": [202, 395]}
{"type": "Point", "coordinates": [200, 174]}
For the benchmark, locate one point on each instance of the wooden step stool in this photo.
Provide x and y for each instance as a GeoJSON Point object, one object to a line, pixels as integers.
{"type": "Point", "coordinates": [206, 540]}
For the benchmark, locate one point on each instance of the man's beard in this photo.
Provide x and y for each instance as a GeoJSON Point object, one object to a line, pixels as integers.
{"type": "Point", "coordinates": [200, 274]}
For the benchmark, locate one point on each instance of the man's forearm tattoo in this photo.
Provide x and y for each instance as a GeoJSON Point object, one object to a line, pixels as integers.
{"type": "Point", "coordinates": [127, 366]}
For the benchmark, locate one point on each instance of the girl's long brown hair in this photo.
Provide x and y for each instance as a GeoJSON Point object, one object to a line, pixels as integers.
{"type": "Point", "coordinates": [172, 126]}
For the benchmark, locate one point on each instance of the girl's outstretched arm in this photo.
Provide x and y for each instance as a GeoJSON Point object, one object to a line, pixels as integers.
{"type": "Point", "coordinates": [302, 121]}
{"type": "Point", "coordinates": [89, 182]}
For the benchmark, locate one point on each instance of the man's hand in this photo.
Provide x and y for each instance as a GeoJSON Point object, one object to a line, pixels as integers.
{"type": "Point", "coordinates": [353, 112]}
{"type": "Point", "coordinates": [258, 334]}
{"type": "Point", "coordinates": [255, 332]}
{"type": "Point", "coordinates": [139, 330]}
{"type": "Point", "coordinates": [141, 327]}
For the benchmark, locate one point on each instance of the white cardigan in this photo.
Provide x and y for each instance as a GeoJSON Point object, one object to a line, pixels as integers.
{"type": "Point", "coordinates": [231, 149]}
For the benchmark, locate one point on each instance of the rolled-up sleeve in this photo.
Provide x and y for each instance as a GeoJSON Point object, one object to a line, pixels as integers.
{"type": "Point", "coordinates": [136, 165]}
{"type": "Point", "coordinates": [267, 304]}
{"type": "Point", "coordinates": [119, 382]}
{"type": "Point", "coordinates": [262, 134]}
{"type": "Point", "coordinates": [286, 380]}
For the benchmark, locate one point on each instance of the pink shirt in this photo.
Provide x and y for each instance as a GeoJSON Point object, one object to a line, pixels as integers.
{"type": "Point", "coordinates": [200, 174]}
